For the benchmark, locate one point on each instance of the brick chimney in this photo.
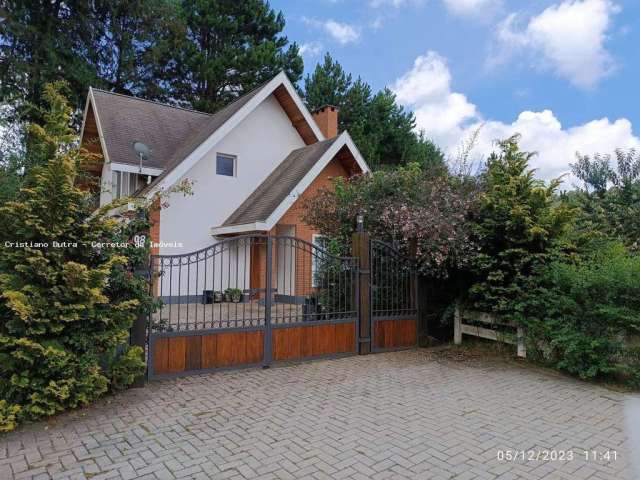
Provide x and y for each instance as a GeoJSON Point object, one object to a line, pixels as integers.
{"type": "Point", "coordinates": [327, 119]}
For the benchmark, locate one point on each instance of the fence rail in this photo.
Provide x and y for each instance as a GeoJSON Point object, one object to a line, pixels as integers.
{"type": "Point", "coordinates": [493, 328]}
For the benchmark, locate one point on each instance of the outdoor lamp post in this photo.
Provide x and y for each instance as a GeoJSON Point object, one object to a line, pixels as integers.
{"type": "Point", "coordinates": [360, 222]}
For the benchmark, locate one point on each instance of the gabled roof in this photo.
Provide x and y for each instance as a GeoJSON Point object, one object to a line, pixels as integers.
{"type": "Point", "coordinates": [179, 137]}
{"type": "Point", "coordinates": [196, 137]}
{"type": "Point", "coordinates": [275, 195]}
{"type": "Point", "coordinates": [201, 142]}
{"type": "Point", "coordinates": [124, 120]}
{"type": "Point", "coordinates": [279, 184]}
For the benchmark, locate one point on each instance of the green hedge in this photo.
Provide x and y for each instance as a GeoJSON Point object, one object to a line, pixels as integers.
{"type": "Point", "coordinates": [583, 317]}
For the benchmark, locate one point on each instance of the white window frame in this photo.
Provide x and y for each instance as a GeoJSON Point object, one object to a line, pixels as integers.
{"type": "Point", "coordinates": [235, 164]}
{"type": "Point", "coordinates": [314, 265]}
{"type": "Point", "coordinates": [122, 187]}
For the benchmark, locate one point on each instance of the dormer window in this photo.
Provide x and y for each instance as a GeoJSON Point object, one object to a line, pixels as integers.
{"type": "Point", "coordinates": [226, 165]}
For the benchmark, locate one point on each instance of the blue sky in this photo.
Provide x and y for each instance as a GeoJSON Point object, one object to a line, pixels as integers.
{"type": "Point", "coordinates": [560, 72]}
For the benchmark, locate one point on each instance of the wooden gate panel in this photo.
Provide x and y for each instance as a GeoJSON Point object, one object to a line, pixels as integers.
{"type": "Point", "coordinates": [345, 337]}
{"type": "Point", "coordinates": [160, 357]}
{"type": "Point", "coordinates": [287, 343]}
{"type": "Point", "coordinates": [393, 334]}
{"type": "Point", "coordinates": [310, 341]}
{"type": "Point", "coordinates": [209, 351]}
{"type": "Point", "coordinates": [194, 353]}
{"type": "Point", "coordinates": [255, 347]}
{"type": "Point", "coordinates": [177, 354]}
{"type": "Point", "coordinates": [191, 353]}
{"type": "Point", "coordinates": [231, 348]}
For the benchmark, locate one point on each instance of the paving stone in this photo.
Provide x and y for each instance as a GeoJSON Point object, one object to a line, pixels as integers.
{"type": "Point", "coordinates": [393, 416]}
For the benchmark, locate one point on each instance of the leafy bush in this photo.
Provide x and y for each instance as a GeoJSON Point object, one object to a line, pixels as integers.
{"type": "Point", "coordinates": [8, 416]}
{"type": "Point", "coordinates": [66, 309]}
{"type": "Point", "coordinates": [609, 201]}
{"type": "Point", "coordinates": [583, 317]}
{"type": "Point", "coordinates": [518, 226]}
{"type": "Point", "coordinates": [401, 206]}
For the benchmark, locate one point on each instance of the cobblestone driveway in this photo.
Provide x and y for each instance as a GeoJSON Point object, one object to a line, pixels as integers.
{"type": "Point", "coordinates": [396, 415]}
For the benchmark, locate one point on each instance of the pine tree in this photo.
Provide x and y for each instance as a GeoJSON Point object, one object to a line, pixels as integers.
{"type": "Point", "coordinates": [225, 49]}
{"type": "Point", "coordinates": [199, 53]}
{"type": "Point", "coordinates": [66, 306]}
{"type": "Point", "coordinates": [328, 85]}
{"type": "Point", "coordinates": [383, 131]}
{"type": "Point", "coordinates": [111, 44]}
{"type": "Point", "coordinates": [517, 225]}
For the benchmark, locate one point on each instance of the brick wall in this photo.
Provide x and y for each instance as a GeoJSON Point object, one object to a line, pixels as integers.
{"type": "Point", "coordinates": [293, 217]}
{"type": "Point", "coordinates": [303, 281]}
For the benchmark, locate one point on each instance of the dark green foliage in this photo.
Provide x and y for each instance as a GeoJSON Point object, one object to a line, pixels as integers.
{"type": "Point", "coordinates": [401, 206]}
{"type": "Point", "coordinates": [333, 294]}
{"type": "Point", "coordinates": [11, 156]}
{"type": "Point", "coordinates": [224, 49]}
{"type": "Point", "coordinates": [609, 201]}
{"type": "Point", "coordinates": [517, 225]}
{"type": "Point", "coordinates": [65, 308]}
{"type": "Point", "coordinates": [583, 316]}
{"type": "Point", "coordinates": [106, 44]}
{"type": "Point", "coordinates": [382, 129]}
{"type": "Point", "coordinates": [198, 53]}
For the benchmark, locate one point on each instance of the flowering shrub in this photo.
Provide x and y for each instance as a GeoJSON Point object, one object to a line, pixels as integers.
{"type": "Point", "coordinates": [401, 206]}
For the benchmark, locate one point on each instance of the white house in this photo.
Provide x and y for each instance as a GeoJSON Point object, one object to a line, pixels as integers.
{"type": "Point", "coordinates": [250, 165]}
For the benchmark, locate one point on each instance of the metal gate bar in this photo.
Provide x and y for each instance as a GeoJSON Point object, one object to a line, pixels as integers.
{"type": "Point", "coordinates": [220, 305]}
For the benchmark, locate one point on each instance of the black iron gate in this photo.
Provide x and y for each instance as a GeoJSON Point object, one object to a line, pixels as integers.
{"type": "Point", "coordinates": [256, 299]}
{"type": "Point", "coordinates": [251, 300]}
{"type": "Point", "coordinates": [394, 313]}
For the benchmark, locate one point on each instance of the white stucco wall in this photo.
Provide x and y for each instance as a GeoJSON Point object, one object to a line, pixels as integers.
{"type": "Point", "coordinates": [105, 184]}
{"type": "Point", "coordinates": [226, 265]}
{"type": "Point", "coordinates": [260, 142]}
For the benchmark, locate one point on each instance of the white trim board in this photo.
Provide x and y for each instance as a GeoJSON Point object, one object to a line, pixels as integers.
{"type": "Point", "coordinates": [201, 150]}
{"type": "Point", "coordinates": [91, 100]}
{"type": "Point", "coordinates": [126, 167]}
{"type": "Point", "coordinates": [287, 203]}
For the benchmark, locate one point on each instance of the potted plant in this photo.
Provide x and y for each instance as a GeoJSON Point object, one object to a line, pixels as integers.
{"type": "Point", "coordinates": [217, 297]}
{"type": "Point", "coordinates": [234, 294]}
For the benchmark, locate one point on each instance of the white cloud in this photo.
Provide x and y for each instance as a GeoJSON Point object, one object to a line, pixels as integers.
{"type": "Point", "coordinates": [467, 7]}
{"type": "Point", "coordinates": [427, 89]}
{"type": "Point", "coordinates": [394, 3]}
{"type": "Point", "coordinates": [310, 49]}
{"type": "Point", "coordinates": [542, 132]}
{"type": "Point", "coordinates": [449, 118]}
{"type": "Point", "coordinates": [343, 33]}
{"type": "Point", "coordinates": [568, 37]}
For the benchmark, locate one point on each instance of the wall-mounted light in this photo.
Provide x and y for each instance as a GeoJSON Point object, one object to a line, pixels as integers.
{"type": "Point", "coordinates": [360, 222]}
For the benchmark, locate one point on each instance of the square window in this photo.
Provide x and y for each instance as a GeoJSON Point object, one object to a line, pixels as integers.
{"type": "Point", "coordinates": [225, 165]}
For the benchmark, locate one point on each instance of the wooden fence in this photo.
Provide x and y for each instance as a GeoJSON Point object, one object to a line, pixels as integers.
{"type": "Point", "coordinates": [493, 329]}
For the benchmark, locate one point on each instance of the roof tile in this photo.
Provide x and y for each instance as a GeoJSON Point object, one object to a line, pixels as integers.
{"type": "Point", "coordinates": [279, 184]}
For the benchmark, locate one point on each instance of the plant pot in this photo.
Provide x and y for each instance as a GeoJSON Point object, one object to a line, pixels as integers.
{"type": "Point", "coordinates": [227, 297]}
{"type": "Point", "coordinates": [207, 297]}
{"type": "Point", "coordinates": [236, 297]}
{"type": "Point", "coordinates": [217, 297]}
